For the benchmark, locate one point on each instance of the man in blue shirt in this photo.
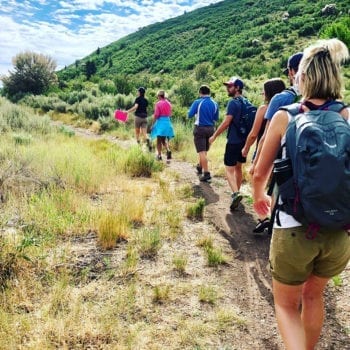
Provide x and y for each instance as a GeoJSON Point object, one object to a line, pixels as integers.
{"type": "Point", "coordinates": [233, 158]}
{"type": "Point", "coordinates": [206, 112]}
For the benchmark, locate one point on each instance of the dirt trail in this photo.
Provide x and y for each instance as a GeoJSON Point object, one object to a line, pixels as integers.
{"type": "Point", "coordinates": [250, 288]}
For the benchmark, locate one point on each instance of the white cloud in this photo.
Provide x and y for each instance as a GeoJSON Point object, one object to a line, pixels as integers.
{"type": "Point", "coordinates": [70, 30]}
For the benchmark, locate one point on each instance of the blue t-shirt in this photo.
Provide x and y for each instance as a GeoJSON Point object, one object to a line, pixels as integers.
{"type": "Point", "coordinates": [234, 109]}
{"type": "Point", "coordinates": [206, 111]}
{"type": "Point", "coordinates": [284, 98]}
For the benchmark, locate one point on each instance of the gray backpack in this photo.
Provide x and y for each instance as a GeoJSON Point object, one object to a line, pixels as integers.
{"type": "Point", "coordinates": [318, 146]}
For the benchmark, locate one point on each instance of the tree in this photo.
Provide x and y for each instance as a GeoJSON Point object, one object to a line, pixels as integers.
{"type": "Point", "coordinates": [90, 69]}
{"type": "Point", "coordinates": [202, 71]}
{"type": "Point", "coordinates": [33, 73]}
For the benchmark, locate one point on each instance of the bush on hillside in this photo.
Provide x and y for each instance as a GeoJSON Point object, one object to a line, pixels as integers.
{"type": "Point", "coordinates": [339, 29]}
{"type": "Point", "coordinates": [33, 74]}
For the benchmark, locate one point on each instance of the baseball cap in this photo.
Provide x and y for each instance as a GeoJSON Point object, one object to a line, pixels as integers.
{"type": "Point", "coordinates": [293, 62]}
{"type": "Point", "coordinates": [141, 89]}
{"type": "Point", "coordinates": [234, 81]}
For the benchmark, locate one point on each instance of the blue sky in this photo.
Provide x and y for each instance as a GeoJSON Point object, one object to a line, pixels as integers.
{"type": "Point", "coordinates": [72, 29]}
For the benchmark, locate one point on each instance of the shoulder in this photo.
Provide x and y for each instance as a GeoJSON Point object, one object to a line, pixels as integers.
{"type": "Point", "coordinates": [282, 96]}
{"type": "Point", "coordinates": [279, 122]}
{"type": "Point", "coordinates": [262, 109]}
{"type": "Point", "coordinates": [235, 102]}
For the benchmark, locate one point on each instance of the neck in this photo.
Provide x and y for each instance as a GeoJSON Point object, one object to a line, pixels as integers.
{"type": "Point", "coordinates": [316, 101]}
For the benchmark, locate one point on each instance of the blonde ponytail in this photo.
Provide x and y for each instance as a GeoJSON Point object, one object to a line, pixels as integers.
{"type": "Point", "coordinates": [320, 67]}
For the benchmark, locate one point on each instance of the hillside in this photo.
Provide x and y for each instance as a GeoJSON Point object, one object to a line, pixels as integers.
{"type": "Point", "coordinates": [233, 35]}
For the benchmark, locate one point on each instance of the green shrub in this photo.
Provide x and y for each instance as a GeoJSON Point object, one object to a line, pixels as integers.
{"type": "Point", "coordinates": [140, 164]}
{"type": "Point", "coordinates": [339, 29]}
{"type": "Point", "coordinates": [66, 131]}
{"type": "Point", "coordinates": [22, 139]}
{"type": "Point", "coordinates": [16, 117]}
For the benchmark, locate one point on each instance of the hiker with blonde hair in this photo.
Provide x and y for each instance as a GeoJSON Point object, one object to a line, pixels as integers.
{"type": "Point", "coordinates": [302, 258]}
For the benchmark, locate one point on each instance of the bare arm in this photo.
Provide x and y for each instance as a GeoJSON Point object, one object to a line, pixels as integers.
{"type": "Point", "coordinates": [222, 127]}
{"type": "Point", "coordinates": [259, 118]}
{"type": "Point", "coordinates": [133, 108]}
{"type": "Point", "coordinates": [264, 164]}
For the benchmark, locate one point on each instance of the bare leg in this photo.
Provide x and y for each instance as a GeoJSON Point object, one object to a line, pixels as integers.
{"type": "Point", "coordinates": [238, 175]}
{"type": "Point", "coordinates": [159, 146]}
{"type": "Point", "coordinates": [137, 134]}
{"type": "Point", "coordinates": [287, 301]}
{"type": "Point", "coordinates": [144, 134]}
{"type": "Point", "coordinates": [312, 314]}
{"type": "Point", "coordinates": [167, 143]}
{"type": "Point", "coordinates": [203, 160]}
{"type": "Point", "coordinates": [231, 173]}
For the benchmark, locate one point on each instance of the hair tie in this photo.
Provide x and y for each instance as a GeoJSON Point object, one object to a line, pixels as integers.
{"type": "Point", "coordinates": [325, 52]}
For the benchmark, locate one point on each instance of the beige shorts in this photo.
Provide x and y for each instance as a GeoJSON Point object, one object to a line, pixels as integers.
{"type": "Point", "coordinates": [293, 257]}
{"type": "Point", "coordinates": [140, 123]}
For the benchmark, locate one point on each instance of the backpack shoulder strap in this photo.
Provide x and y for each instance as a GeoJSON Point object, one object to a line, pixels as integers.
{"type": "Point", "coordinates": [292, 109]}
{"type": "Point", "coordinates": [336, 106]}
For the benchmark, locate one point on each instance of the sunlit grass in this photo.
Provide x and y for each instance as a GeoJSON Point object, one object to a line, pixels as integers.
{"type": "Point", "coordinates": [112, 228]}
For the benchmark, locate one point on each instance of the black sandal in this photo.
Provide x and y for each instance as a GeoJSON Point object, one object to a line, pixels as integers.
{"type": "Point", "coordinates": [262, 225]}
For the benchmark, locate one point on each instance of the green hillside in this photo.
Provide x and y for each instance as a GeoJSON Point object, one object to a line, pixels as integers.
{"type": "Point", "coordinates": [244, 37]}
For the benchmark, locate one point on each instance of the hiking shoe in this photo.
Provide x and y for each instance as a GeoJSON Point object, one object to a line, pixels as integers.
{"type": "Point", "coordinates": [262, 225]}
{"type": "Point", "coordinates": [199, 169]}
{"type": "Point", "coordinates": [168, 154]}
{"type": "Point", "coordinates": [206, 177]}
{"type": "Point", "coordinates": [236, 199]}
{"type": "Point", "coordinates": [159, 157]}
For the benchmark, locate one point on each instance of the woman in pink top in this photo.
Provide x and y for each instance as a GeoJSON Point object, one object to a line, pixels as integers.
{"type": "Point", "coordinates": [162, 127]}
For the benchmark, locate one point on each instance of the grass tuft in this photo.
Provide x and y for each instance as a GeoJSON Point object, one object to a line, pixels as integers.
{"type": "Point", "coordinates": [112, 228]}
{"type": "Point", "coordinates": [195, 211]}
{"type": "Point", "coordinates": [149, 242]}
{"type": "Point", "coordinates": [207, 294]}
{"type": "Point", "coordinates": [180, 262]}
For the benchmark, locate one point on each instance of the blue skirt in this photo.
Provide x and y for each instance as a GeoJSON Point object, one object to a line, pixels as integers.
{"type": "Point", "coordinates": [162, 127]}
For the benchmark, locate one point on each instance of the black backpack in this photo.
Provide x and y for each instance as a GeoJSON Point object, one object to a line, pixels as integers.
{"type": "Point", "coordinates": [317, 193]}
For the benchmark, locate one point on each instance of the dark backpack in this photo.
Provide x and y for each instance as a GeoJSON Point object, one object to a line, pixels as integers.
{"type": "Point", "coordinates": [247, 118]}
{"type": "Point", "coordinates": [318, 147]}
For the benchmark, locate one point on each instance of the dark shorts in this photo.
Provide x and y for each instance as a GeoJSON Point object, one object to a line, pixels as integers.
{"type": "Point", "coordinates": [140, 122]}
{"type": "Point", "coordinates": [293, 257]}
{"type": "Point", "coordinates": [233, 154]}
{"type": "Point", "coordinates": [201, 137]}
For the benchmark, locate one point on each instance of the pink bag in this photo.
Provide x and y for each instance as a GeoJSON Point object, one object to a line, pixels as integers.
{"type": "Point", "coordinates": [121, 115]}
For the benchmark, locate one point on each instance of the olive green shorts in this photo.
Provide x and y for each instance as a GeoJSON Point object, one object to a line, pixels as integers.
{"type": "Point", "coordinates": [293, 257]}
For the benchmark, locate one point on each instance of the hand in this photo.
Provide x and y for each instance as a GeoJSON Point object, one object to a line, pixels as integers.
{"type": "Point", "coordinates": [245, 151]}
{"type": "Point", "coordinates": [212, 139]}
{"type": "Point", "coordinates": [262, 205]}
{"type": "Point", "coordinates": [251, 170]}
